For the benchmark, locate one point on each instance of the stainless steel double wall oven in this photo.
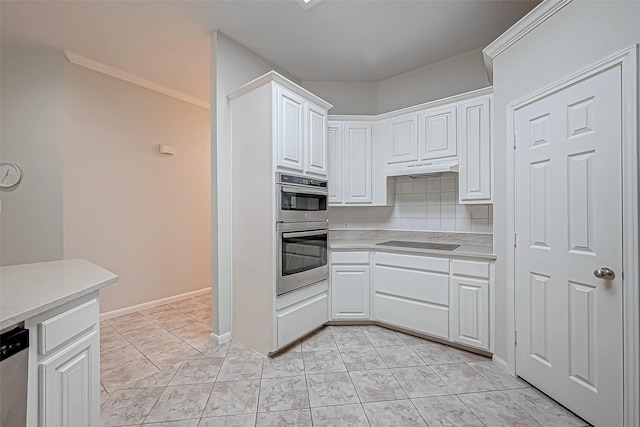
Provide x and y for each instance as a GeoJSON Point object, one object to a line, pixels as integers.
{"type": "Point", "coordinates": [302, 230]}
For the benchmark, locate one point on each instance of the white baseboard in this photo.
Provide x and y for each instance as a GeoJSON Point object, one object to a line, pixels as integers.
{"type": "Point", "coordinates": [134, 308]}
{"type": "Point", "coordinates": [221, 339]}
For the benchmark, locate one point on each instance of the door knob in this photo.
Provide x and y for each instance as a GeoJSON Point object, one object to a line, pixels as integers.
{"type": "Point", "coordinates": [604, 273]}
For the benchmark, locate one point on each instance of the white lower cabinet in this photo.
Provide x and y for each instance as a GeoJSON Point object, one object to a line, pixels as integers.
{"type": "Point", "coordinates": [300, 312]}
{"type": "Point", "coordinates": [469, 312]}
{"type": "Point", "coordinates": [69, 392]}
{"type": "Point", "coordinates": [64, 365]}
{"type": "Point", "coordinates": [350, 286]}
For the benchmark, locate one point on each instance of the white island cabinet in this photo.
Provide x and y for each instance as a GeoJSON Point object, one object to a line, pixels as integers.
{"type": "Point", "coordinates": [58, 303]}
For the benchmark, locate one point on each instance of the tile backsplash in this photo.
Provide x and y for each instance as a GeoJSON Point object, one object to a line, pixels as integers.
{"type": "Point", "coordinates": [424, 203]}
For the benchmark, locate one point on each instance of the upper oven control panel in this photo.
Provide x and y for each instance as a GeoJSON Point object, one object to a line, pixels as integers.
{"type": "Point", "coordinates": [301, 180]}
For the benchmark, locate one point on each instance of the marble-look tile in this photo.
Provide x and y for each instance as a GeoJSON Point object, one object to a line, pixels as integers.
{"type": "Point", "coordinates": [129, 324]}
{"type": "Point", "coordinates": [144, 333]}
{"type": "Point", "coordinates": [171, 355]}
{"type": "Point", "coordinates": [127, 373]}
{"type": "Point", "coordinates": [215, 350]}
{"type": "Point", "coordinates": [377, 385]}
{"type": "Point", "coordinates": [545, 410]}
{"type": "Point", "coordinates": [495, 409]}
{"type": "Point", "coordinates": [412, 340]}
{"type": "Point", "coordinates": [236, 368]}
{"type": "Point", "coordinates": [128, 407]}
{"type": "Point", "coordinates": [157, 309]}
{"type": "Point", "coordinates": [180, 403]}
{"type": "Point", "coordinates": [322, 362]}
{"type": "Point", "coordinates": [197, 370]}
{"type": "Point", "coordinates": [237, 349]}
{"type": "Point", "coordinates": [394, 413]}
{"type": "Point", "coordinates": [498, 377]}
{"type": "Point", "coordinates": [382, 337]}
{"type": "Point", "coordinates": [187, 306]}
{"type": "Point", "coordinates": [359, 359]}
{"type": "Point", "coordinates": [164, 315]}
{"type": "Point", "coordinates": [420, 381]}
{"type": "Point", "coordinates": [280, 394]}
{"type": "Point", "coordinates": [344, 329]}
{"type": "Point", "coordinates": [399, 356]}
{"type": "Point", "coordinates": [356, 339]}
{"type": "Point", "coordinates": [296, 347]}
{"type": "Point", "coordinates": [297, 418]}
{"type": "Point", "coordinates": [445, 411]}
{"type": "Point", "coordinates": [125, 318]}
{"type": "Point", "coordinates": [435, 354]}
{"type": "Point", "coordinates": [112, 358]}
{"type": "Point", "coordinates": [196, 335]}
{"type": "Point", "coordinates": [246, 420]}
{"type": "Point", "coordinates": [331, 389]}
{"type": "Point", "coordinates": [104, 394]}
{"type": "Point", "coordinates": [204, 315]}
{"type": "Point", "coordinates": [106, 330]}
{"type": "Point", "coordinates": [462, 378]}
{"type": "Point", "coordinates": [112, 341]}
{"type": "Point", "coordinates": [158, 343]}
{"type": "Point", "coordinates": [340, 416]}
{"type": "Point", "coordinates": [204, 299]}
{"type": "Point", "coordinates": [182, 423]}
{"type": "Point", "coordinates": [233, 398]}
{"type": "Point", "coordinates": [283, 365]}
{"type": "Point", "coordinates": [175, 322]}
{"type": "Point", "coordinates": [320, 340]}
{"type": "Point", "coordinates": [468, 356]}
{"type": "Point", "coordinates": [159, 379]}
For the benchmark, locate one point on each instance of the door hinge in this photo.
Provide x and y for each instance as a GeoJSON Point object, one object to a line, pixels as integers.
{"type": "Point", "coordinates": [514, 141]}
{"type": "Point", "coordinates": [515, 337]}
{"type": "Point", "coordinates": [515, 240]}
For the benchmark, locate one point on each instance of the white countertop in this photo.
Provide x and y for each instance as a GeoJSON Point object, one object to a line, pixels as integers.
{"type": "Point", "coordinates": [30, 289]}
{"type": "Point", "coordinates": [464, 250]}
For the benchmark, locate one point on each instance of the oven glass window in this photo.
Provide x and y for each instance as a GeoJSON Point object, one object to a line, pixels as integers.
{"type": "Point", "coordinates": [303, 202]}
{"type": "Point", "coordinates": [303, 253]}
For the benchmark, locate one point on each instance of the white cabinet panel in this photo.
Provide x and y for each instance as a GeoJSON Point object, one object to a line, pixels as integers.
{"type": "Point", "coordinates": [403, 139]}
{"type": "Point", "coordinates": [415, 284]}
{"type": "Point", "coordinates": [302, 318]}
{"type": "Point", "coordinates": [437, 133]}
{"type": "Point", "coordinates": [474, 145]}
{"type": "Point", "coordinates": [414, 315]}
{"type": "Point", "coordinates": [335, 153]}
{"type": "Point", "coordinates": [69, 385]}
{"type": "Point", "coordinates": [469, 312]}
{"type": "Point", "coordinates": [357, 168]}
{"type": "Point", "coordinates": [350, 291]}
{"type": "Point", "coordinates": [316, 140]}
{"type": "Point", "coordinates": [289, 128]}
{"type": "Point", "coordinates": [67, 325]}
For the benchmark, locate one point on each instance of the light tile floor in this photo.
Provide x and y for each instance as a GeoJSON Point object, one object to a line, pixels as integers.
{"type": "Point", "coordinates": [160, 369]}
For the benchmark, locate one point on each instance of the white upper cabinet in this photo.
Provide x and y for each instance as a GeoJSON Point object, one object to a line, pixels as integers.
{"type": "Point", "coordinates": [289, 125]}
{"type": "Point", "coordinates": [403, 139]}
{"type": "Point", "coordinates": [301, 133]}
{"type": "Point", "coordinates": [474, 140]}
{"type": "Point", "coordinates": [334, 166]}
{"type": "Point", "coordinates": [357, 167]}
{"type": "Point", "coordinates": [316, 140]}
{"type": "Point", "coordinates": [437, 133]}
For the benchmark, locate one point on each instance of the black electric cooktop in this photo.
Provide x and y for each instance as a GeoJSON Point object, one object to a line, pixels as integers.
{"type": "Point", "coordinates": [420, 245]}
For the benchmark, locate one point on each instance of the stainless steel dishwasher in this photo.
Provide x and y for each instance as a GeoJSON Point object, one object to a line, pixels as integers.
{"type": "Point", "coordinates": [14, 366]}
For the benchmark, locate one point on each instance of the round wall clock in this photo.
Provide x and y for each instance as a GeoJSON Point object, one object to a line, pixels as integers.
{"type": "Point", "coordinates": [9, 175]}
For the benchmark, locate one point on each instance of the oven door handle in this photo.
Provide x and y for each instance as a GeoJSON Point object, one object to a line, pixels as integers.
{"type": "Point", "coordinates": [304, 233]}
{"type": "Point", "coordinates": [305, 190]}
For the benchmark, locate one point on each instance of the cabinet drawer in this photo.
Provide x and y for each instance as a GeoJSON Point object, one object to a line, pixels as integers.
{"type": "Point", "coordinates": [300, 319]}
{"type": "Point", "coordinates": [67, 325]}
{"type": "Point", "coordinates": [470, 268]}
{"type": "Point", "coordinates": [414, 284]}
{"type": "Point", "coordinates": [440, 265]}
{"type": "Point", "coordinates": [417, 316]}
{"type": "Point", "coordinates": [349, 257]}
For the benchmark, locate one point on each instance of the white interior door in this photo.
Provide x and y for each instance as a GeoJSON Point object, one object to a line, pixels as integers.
{"type": "Point", "coordinates": [569, 224]}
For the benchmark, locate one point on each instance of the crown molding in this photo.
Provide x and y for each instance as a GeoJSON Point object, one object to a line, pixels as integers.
{"type": "Point", "coordinates": [524, 26]}
{"type": "Point", "coordinates": [103, 68]}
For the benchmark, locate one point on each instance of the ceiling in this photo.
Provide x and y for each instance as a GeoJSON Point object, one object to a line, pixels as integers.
{"type": "Point", "coordinates": [336, 40]}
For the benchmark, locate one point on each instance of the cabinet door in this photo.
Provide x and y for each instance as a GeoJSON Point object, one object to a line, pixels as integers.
{"type": "Point", "coordinates": [469, 312]}
{"type": "Point", "coordinates": [289, 128]}
{"type": "Point", "coordinates": [403, 142]}
{"type": "Point", "coordinates": [357, 168]}
{"type": "Point", "coordinates": [70, 385]}
{"type": "Point", "coordinates": [350, 291]}
{"type": "Point", "coordinates": [474, 137]}
{"type": "Point", "coordinates": [316, 145]}
{"type": "Point", "coordinates": [437, 133]}
{"type": "Point", "coordinates": [334, 165]}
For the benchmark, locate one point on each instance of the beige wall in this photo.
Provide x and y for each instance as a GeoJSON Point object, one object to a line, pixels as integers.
{"type": "Point", "coordinates": [581, 34]}
{"type": "Point", "coordinates": [30, 111]}
{"type": "Point", "coordinates": [140, 214]}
